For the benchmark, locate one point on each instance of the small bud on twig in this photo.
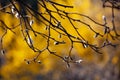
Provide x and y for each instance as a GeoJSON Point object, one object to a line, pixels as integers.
{"type": "Point", "coordinates": [66, 57]}
{"type": "Point", "coordinates": [96, 35]}
{"type": "Point", "coordinates": [30, 41]}
{"type": "Point", "coordinates": [56, 43]}
{"type": "Point", "coordinates": [68, 65]}
{"type": "Point", "coordinates": [85, 44]}
{"type": "Point", "coordinates": [31, 22]}
{"type": "Point", "coordinates": [58, 24]}
{"type": "Point", "coordinates": [17, 15]}
{"type": "Point", "coordinates": [39, 61]}
{"type": "Point", "coordinates": [79, 61]}
{"type": "Point", "coordinates": [27, 62]}
{"type": "Point", "coordinates": [13, 10]}
{"type": "Point", "coordinates": [104, 18]}
{"type": "Point", "coordinates": [2, 52]}
{"type": "Point", "coordinates": [106, 30]}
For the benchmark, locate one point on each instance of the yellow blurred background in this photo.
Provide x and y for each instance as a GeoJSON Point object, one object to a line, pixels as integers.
{"type": "Point", "coordinates": [94, 66]}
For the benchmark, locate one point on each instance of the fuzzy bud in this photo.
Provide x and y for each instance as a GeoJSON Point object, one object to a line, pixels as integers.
{"type": "Point", "coordinates": [30, 41]}
{"type": "Point", "coordinates": [17, 15]}
{"type": "Point", "coordinates": [58, 24]}
{"type": "Point", "coordinates": [104, 18]}
{"type": "Point", "coordinates": [27, 62]}
{"type": "Point", "coordinates": [13, 10]}
{"type": "Point", "coordinates": [2, 52]}
{"type": "Point", "coordinates": [39, 61]}
{"type": "Point", "coordinates": [56, 43]}
{"type": "Point", "coordinates": [31, 22]}
{"type": "Point", "coordinates": [79, 61]}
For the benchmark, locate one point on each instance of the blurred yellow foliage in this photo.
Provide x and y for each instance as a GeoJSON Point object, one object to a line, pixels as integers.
{"type": "Point", "coordinates": [17, 50]}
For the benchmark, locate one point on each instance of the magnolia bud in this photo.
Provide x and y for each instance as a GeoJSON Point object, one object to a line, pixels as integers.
{"type": "Point", "coordinates": [2, 52]}
{"type": "Point", "coordinates": [31, 22]}
{"type": "Point", "coordinates": [39, 61]}
{"type": "Point", "coordinates": [17, 15]}
{"type": "Point", "coordinates": [104, 18]}
{"type": "Point", "coordinates": [79, 61]}
{"type": "Point", "coordinates": [27, 62]}
{"type": "Point", "coordinates": [58, 24]}
{"type": "Point", "coordinates": [56, 43]}
{"type": "Point", "coordinates": [30, 41]}
{"type": "Point", "coordinates": [13, 9]}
